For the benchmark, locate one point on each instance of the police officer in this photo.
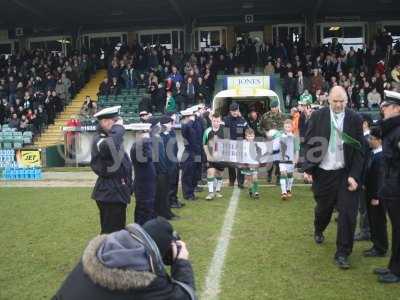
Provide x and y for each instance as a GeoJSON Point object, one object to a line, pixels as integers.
{"type": "Point", "coordinates": [189, 154]}
{"type": "Point", "coordinates": [198, 126]}
{"type": "Point", "coordinates": [171, 144]}
{"type": "Point", "coordinates": [390, 190]}
{"type": "Point", "coordinates": [111, 163]}
{"type": "Point", "coordinates": [144, 184]}
{"type": "Point", "coordinates": [236, 125]}
{"type": "Point", "coordinates": [162, 207]}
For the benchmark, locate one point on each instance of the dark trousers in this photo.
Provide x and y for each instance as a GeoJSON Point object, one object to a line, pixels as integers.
{"type": "Point", "coordinates": [112, 216]}
{"type": "Point", "coordinates": [173, 178]}
{"type": "Point", "coordinates": [363, 220]}
{"type": "Point", "coordinates": [377, 225]}
{"type": "Point", "coordinates": [188, 178]}
{"type": "Point", "coordinates": [331, 190]}
{"type": "Point", "coordinates": [234, 173]}
{"type": "Point", "coordinates": [197, 173]}
{"type": "Point", "coordinates": [393, 207]}
{"type": "Point", "coordinates": [275, 166]}
{"type": "Point", "coordinates": [161, 206]}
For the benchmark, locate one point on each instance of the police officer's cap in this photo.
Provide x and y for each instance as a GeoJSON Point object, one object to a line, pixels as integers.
{"type": "Point", "coordinates": [165, 120]}
{"type": "Point", "coordinates": [234, 106]}
{"type": "Point", "coordinates": [108, 113]}
{"type": "Point", "coordinates": [392, 97]}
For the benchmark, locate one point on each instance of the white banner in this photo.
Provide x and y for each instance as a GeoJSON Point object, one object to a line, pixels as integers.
{"type": "Point", "coordinates": [244, 152]}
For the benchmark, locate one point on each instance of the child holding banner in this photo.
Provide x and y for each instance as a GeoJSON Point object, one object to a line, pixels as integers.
{"type": "Point", "coordinates": [251, 173]}
{"type": "Point", "coordinates": [289, 156]}
{"type": "Point", "coordinates": [215, 169]}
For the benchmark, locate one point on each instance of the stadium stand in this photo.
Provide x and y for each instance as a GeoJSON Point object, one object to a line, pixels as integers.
{"type": "Point", "coordinates": [35, 87]}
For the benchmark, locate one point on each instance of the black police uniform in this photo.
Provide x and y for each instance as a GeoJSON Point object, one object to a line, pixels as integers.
{"type": "Point", "coordinates": [390, 191]}
{"type": "Point", "coordinates": [144, 183]}
{"type": "Point", "coordinates": [188, 160]}
{"type": "Point", "coordinates": [199, 129]}
{"type": "Point", "coordinates": [162, 206]}
{"type": "Point", "coordinates": [113, 188]}
{"type": "Point", "coordinates": [171, 144]}
{"type": "Point", "coordinates": [236, 127]}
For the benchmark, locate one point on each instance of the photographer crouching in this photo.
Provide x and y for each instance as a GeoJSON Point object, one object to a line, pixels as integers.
{"type": "Point", "coordinates": [130, 264]}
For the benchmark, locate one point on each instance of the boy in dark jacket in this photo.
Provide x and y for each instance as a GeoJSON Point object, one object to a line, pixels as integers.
{"type": "Point", "coordinates": [376, 210]}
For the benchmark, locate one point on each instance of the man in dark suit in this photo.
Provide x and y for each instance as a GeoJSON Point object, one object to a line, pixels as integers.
{"type": "Point", "coordinates": [333, 163]}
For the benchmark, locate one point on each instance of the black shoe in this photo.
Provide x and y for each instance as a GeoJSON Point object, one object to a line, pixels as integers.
{"type": "Point", "coordinates": [175, 205]}
{"type": "Point", "coordinates": [342, 262]}
{"type": "Point", "coordinates": [231, 184]}
{"type": "Point", "coordinates": [361, 237]}
{"type": "Point", "coordinates": [381, 271]}
{"type": "Point", "coordinates": [269, 179]}
{"type": "Point", "coordinates": [251, 194]}
{"type": "Point", "coordinates": [319, 238]}
{"type": "Point", "coordinates": [389, 278]}
{"type": "Point", "coordinates": [373, 253]}
{"type": "Point", "coordinates": [241, 186]}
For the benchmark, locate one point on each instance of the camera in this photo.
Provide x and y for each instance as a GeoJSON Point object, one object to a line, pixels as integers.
{"type": "Point", "coordinates": [169, 257]}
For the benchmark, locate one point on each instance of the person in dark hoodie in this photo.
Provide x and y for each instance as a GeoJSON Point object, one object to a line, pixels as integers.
{"type": "Point", "coordinates": [130, 264]}
{"type": "Point", "coordinates": [113, 167]}
{"type": "Point", "coordinates": [144, 183]}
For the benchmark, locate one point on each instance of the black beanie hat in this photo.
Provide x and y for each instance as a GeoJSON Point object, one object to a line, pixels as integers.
{"type": "Point", "coordinates": [161, 232]}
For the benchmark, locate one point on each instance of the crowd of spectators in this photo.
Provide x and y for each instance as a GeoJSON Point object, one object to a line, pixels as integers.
{"type": "Point", "coordinates": [306, 72]}
{"type": "Point", "coordinates": [173, 79]}
{"type": "Point", "coordinates": [36, 85]}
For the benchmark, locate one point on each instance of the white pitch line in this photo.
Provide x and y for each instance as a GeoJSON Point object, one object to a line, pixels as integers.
{"type": "Point", "coordinates": [212, 284]}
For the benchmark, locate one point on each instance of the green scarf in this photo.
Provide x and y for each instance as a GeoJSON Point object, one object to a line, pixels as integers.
{"type": "Point", "coordinates": [346, 138]}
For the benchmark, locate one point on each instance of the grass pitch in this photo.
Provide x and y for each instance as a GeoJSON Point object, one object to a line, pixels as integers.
{"type": "Point", "coordinates": [271, 254]}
